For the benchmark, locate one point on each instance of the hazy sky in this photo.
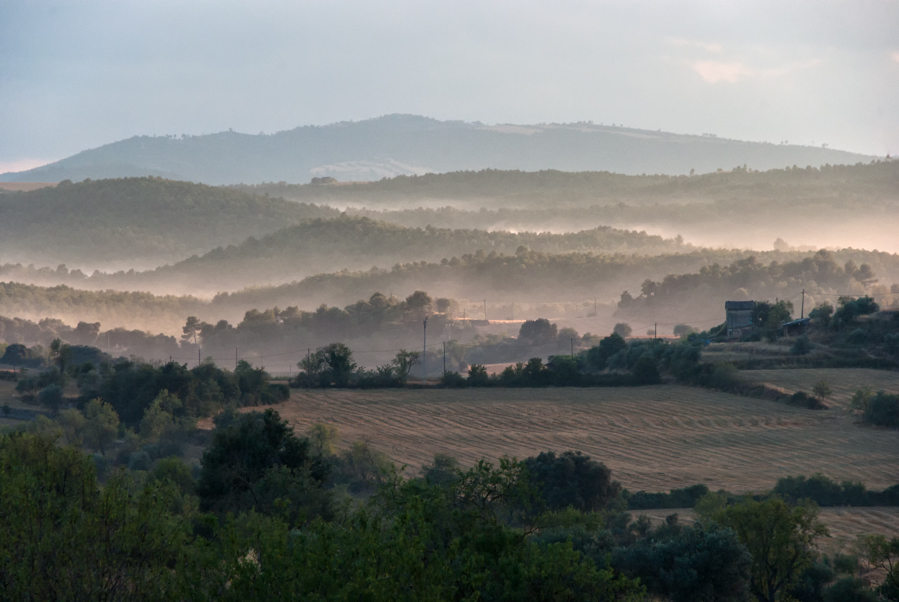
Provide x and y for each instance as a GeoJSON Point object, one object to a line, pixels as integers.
{"type": "Point", "coordinates": [78, 74]}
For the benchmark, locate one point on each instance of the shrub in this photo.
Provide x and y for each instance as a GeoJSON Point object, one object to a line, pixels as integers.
{"type": "Point", "coordinates": [50, 397]}
{"type": "Point", "coordinates": [646, 371]}
{"type": "Point", "coordinates": [802, 346]}
{"type": "Point", "coordinates": [850, 589]}
{"type": "Point", "coordinates": [572, 479]}
{"type": "Point", "coordinates": [857, 337]}
{"type": "Point", "coordinates": [883, 410]}
{"type": "Point", "coordinates": [477, 376]}
{"type": "Point", "coordinates": [452, 380]}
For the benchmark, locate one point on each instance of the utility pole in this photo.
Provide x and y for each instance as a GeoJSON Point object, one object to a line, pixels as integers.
{"type": "Point", "coordinates": [802, 311]}
{"type": "Point", "coordinates": [444, 357]}
{"type": "Point", "coordinates": [424, 354]}
{"type": "Point", "coordinates": [655, 330]}
{"type": "Point", "coordinates": [513, 310]}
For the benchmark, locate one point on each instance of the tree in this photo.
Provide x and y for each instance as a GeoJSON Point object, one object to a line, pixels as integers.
{"type": "Point", "coordinates": [256, 460]}
{"type": "Point", "coordinates": [64, 538]}
{"type": "Point", "coordinates": [822, 313]}
{"type": "Point", "coordinates": [403, 363]}
{"type": "Point", "coordinates": [538, 332]}
{"type": "Point", "coordinates": [191, 329]}
{"type": "Point", "coordinates": [861, 398]}
{"type": "Point", "coordinates": [622, 329]}
{"type": "Point", "coordinates": [338, 359]}
{"type": "Point", "coordinates": [101, 425]}
{"type": "Point", "coordinates": [598, 356]}
{"type": "Point", "coordinates": [699, 564]}
{"type": "Point", "coordinates": [51, 397]}
{"type": "Point", "coordinates": [822, 390]}
{"type": "Point", "coordinates": [60, 354]}
{"type": "Point", "coordinates": [572, 479]}
{"type": "Point", "coordinates": [780, 538]}
{"type": "Point", "coordinates": [883, 554]}
{"type": "Point", "coordinates": [683, 329]}
{"type": "Point", "coordinates": [477, 376]}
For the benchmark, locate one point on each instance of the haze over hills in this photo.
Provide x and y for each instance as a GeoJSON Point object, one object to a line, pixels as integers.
{"type": "Point", "coordinates": [407, 144]}
{"type": "Point", "coordinates": [135, 223]}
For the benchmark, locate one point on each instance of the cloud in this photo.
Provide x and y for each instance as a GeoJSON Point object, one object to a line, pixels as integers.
{"type": "Point", "coordinates": [21, 165]}
{"type": "Point", "coordinates": [707, 46]}
{"type": "Point", "coordinates": [737, 71]}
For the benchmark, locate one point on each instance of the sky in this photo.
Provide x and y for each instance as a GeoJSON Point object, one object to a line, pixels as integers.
{"type": "Point", "coordinates": [78, 74]}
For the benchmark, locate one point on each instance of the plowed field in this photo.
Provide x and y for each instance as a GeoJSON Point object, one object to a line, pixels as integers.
{"type": "Point", "coordinates": [844, 381]}
{"type": "Point", "coordinates": [653, 438]}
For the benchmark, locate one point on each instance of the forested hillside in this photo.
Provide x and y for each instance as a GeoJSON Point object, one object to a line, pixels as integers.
{"type": "Point", "coordinates": [135, 222]}
{"type": "Point", "coordinates": [497, 188]}
{"type": "Point", "coordinates": [408, 144]}
{"type": "Point", "coordinates": [331, 245]}
{"type": "Point", "coordinates": [526, 278]}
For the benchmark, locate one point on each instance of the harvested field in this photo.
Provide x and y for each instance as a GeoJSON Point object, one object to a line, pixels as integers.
{"type": "Point", "coordinates": [845, 524]}
{"type": "Point", "coordinates": [653, 438]}
{"type": "Point", "coordinates": [844, 381]}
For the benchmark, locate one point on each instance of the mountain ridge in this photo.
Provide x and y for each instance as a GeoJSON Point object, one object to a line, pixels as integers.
{"type": "Point", "coordinates": [413, 145]}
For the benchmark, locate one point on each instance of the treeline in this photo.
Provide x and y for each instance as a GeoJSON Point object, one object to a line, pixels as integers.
{"type": "Point", "coordinates": [708, 289]}
{"type": "Point", "coordinates": [137, 221]}
{"type": "Point", "coordinates": [265, 516]}
{"type": "Point", "coordinates": [818, 488]}
{"type": "Point", "coordinates": [134, 309]}
{"type": "Point", "coordinates": [510, 188]}
{"type": "Point", "coordinates": [346, 243]}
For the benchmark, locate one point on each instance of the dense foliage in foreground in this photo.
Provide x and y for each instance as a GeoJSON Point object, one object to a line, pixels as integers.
{"type": "Point", "coordinates": [266, 515]}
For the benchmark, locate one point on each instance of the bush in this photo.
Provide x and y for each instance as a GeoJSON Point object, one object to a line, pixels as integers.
{"type": "Point", "coordinates": [850, 589]}
{"type": "Point", "coordinates": [572, 479]}
{"type": "Point", "coordinates": [477, 376]}
{"type": "Point", "coordinates": [802, 346]}
{"type": "Point", "coordinates": [804, 400]}
{"type": "Point", "coordinates": [883, 410]}
{"type": "Point", "coordinates": [646, 371]}
{"type": "Point", "coordinates": [857, 337]}
{"type": "Point", "coordinates": [51, 397]}
{"type": "Point", "coordinates": [452, 380]}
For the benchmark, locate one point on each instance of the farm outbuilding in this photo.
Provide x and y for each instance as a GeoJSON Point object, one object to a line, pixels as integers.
{"type": "Point", "coordinates": [739, 317]}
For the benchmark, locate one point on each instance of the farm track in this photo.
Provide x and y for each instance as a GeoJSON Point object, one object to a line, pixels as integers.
{"type": "Point", "coordinates": [653, 438]}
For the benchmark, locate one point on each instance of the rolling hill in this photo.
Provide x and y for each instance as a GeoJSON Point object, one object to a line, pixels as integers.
{"type": "Point", "coordinates": [135, 222]}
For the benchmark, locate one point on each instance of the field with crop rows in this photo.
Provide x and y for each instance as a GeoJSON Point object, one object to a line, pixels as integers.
{"type": "Point", "coordinates": [843, 381]}
{"type": "Point", "coordinates": [845, 524]}
{"type": "Point", "coordinates": [653, 438]}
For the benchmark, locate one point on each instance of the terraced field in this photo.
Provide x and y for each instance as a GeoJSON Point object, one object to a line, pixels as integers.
{"type": "Point", "coordinates": [653, 438]}
{"type": "Point", "coordinates": [844, 381]}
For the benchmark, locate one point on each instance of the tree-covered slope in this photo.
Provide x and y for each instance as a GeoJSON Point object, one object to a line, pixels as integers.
{"type": "Point", "coordinates": [135, 222]}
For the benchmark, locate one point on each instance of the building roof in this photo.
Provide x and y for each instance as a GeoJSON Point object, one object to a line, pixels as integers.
{"type": "Point", "coordinates": [797, 321]}
{"type": "Point", "coordinates": [739, 305]}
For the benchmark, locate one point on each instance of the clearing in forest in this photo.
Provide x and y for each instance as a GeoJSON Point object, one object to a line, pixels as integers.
{"type": "Point", "coordinates": [653, 438]}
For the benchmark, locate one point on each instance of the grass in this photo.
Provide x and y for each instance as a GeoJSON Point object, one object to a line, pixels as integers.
{"type": "Point", "coordinates": [653, 438]}
{"type": "Point", "coordinates": [843, 381]}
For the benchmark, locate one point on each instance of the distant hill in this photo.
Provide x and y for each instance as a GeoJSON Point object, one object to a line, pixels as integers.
{"type": "Point", "coordinates": [408, 145]}
{"type": "Point", "coordinates": [331, 245]}
{"type": "Point", "coordinates": [135, 222]}
{"type": "Point", "coordinates": [553, 189]}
